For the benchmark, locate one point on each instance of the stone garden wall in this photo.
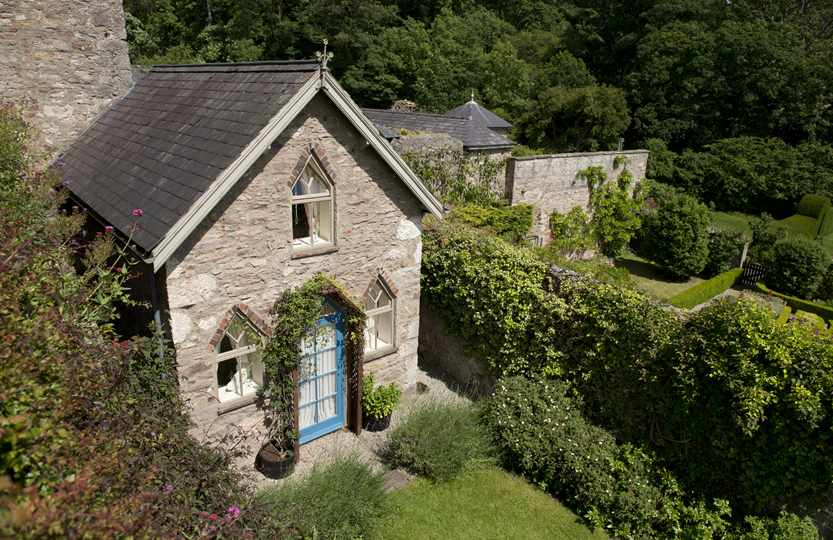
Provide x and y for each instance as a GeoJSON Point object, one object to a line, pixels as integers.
{"type": "Point", "coordinates": [551, 184]}
{"type": "Point", "coordinates": [62, 62]}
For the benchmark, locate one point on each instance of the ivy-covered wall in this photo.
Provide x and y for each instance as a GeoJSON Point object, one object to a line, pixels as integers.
{"type": "Point", "coordinates": [552, 183]}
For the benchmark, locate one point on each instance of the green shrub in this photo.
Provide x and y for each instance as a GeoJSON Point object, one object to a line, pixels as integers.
{"type": "Point", "coordinates": [378, 402]}
{"type": "Point", "coordinates": [786, 526]}
{"type": "Point", "coordinates": [798, 267]}
{"type": "Point", "coordinates": [725, 248]}
{"type": "Point", "coordinates": [339, 500]}
{"type": "Point", "coordinates": [812, 205]}
{"type": "Point", "coordinates": [765, 234]}
{"type": "Point", "coordinates": [512, 223]}
{"type": "Point", "coordinates": [615, 204]}
{"type": "Point", "coordinates": [706, 290]}
{"type": "Point", "coordinates": [617, 488]}
{"type": "Point", "coordinates": [487, 291]}
{"type": "Point", "coordinates": [437, 440]}
{"type": "Point", "coordinates": [676, 235]}
{"type": "Point", "coordinates": [784, 316]}
{"type": "Point", "coordinates": [825, 288]}
{"type": "Point", "coordinates": [823, 310]}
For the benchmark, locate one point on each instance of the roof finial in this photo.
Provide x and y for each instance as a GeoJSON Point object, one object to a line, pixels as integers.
{"type": "Point", "coordinates": [472, 95]}
{"type": "Point", "coordinates": [324, 57]}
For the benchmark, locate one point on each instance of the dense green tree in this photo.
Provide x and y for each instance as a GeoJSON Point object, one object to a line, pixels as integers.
{"type": "Point", "coordinates": [676, 235]}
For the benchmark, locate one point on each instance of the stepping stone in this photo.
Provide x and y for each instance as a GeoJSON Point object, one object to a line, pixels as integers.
{"type": "Point", "coordinates": [396, 479]}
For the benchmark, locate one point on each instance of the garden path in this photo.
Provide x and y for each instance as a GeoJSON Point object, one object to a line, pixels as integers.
{"type": "Point", "coordinates": [369, 445]}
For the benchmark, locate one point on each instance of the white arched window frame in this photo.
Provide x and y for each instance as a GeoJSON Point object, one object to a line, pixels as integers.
{"type": "Point", "coordinates": [313, 209]}
{"type": "Point", "coordinates": [238, 366]}
{"type": "Point", "coordinates": [380, 327]}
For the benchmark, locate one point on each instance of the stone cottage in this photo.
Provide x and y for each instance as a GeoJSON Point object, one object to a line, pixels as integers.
{"type": "Point", "coordinates": [234, 182]}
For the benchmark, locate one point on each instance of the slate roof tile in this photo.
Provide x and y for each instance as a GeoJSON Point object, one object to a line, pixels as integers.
{"type": "Point", "coordinates": [473, 135]}
{"type": "Point", "coordinates": [163, 144]}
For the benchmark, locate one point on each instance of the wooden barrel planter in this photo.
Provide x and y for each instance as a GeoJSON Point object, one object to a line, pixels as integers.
{"type": "Point", "coordinates": [275, 463]}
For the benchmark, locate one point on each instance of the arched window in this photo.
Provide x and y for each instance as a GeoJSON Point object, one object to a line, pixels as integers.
{"type": "Point", "coordinates": [313, 223]}
{"type": "Point", "coordinates": [380, 329]}
{"type": "Point", "coordinates": [239, 370]}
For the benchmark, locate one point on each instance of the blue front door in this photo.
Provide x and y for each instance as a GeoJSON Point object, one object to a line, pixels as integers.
{"type": "Point", "coordinates": [321, 407]}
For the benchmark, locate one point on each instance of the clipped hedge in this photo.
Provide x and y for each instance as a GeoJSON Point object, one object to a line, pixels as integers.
{"type": "Point", "coordinates": [706, 290]}
{"type": "Point", "coordinates": [825, 312]}
{"type": "Point", "coordinates": [812, 205]}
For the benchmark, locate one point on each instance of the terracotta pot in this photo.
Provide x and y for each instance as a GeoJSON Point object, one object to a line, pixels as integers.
{"type": "Point", "coordinates": [371, 423]}
{"type": "Point", "coordinates": [274, 462]}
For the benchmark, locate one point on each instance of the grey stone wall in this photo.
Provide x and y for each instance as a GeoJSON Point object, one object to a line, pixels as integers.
{"type": "Point", "coordinates": [550, 183]}
{"type": "Point", "coordinates": [241, 254]}
{"type": "Point", "coordinates": [62, 62]}
{"type": "Point", "coordinates": [443, 352]}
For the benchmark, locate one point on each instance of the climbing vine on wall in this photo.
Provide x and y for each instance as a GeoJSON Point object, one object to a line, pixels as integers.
{"type": "Point", "coordinates": [295, 315]}
{"type": "Point", "coordinates": [456, 177]}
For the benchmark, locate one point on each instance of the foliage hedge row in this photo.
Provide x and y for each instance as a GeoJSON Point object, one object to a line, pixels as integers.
{"type": "Point", "coordinates": [706, 290]}
{"type": "Point", "coordinates": [735, 404]}
{"type": "Point", "coordinates": [824, 311]}
{"type": "Point", "coordinates": [617, 488]}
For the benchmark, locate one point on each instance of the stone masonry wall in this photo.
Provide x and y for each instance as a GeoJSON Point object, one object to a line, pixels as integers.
{"type": "Point", "coordinates": [62, 62]}
{"type": "Point", "coordinates": [242, 253]}
{"type": "Point", "coordinates": [550, 183]}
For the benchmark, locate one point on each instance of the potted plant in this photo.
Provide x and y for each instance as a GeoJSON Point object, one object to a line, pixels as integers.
{"type": "Point", "coordinates": [276, 458]}
{"type": "Point", "coordinates": [378, 404]}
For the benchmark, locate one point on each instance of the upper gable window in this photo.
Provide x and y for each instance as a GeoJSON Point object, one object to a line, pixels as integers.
{"type": "Point", "coordinates": [239, 368]}
{"type": "Point", "coordinates": [380, 329]}
{"type": "Point", "coordinates": [312, 209]}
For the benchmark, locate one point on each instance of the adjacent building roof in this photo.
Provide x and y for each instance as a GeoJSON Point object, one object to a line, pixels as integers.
{"type": "Point", "coordinates": [184, 134]}
{"type": "Point", "coordinates": [473, 135]}
{"type": "Point", "coordinates": [481, 115]}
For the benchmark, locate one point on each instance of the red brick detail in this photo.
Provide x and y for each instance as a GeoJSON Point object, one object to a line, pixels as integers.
{"type": "Point", "coordinates": [240, 310]}
{"type": "Point", "coordinates": [386, 278]}
{"type": "Point", "coordinates": [319, 154]}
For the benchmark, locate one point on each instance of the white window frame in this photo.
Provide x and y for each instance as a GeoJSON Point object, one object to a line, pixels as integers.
{"type": "Point", "coordinates": [300, 200]}
{"type": "Point", "coordinates": [392, 347]}
{"type": "Point", "coordinates": [240, 352]}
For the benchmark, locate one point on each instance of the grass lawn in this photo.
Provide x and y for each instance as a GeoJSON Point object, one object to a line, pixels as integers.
{"type": "Point", "coordinates": [650, 278]}
{"type": "Point", "coordinates": [799, 224]}
{"type": "Point", "coordinates": [483, 504]}
{"type": "Point", "coordinates": [734, 222]}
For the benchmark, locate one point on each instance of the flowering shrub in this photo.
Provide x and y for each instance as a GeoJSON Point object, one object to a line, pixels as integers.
{"type": "Point", "coordinates": [93, 434]}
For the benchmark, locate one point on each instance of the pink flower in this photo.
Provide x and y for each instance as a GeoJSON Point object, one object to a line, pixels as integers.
{"type": "Point", "coordinates": [138, 212]}
{"type": "Point", "coordinates": [212, 517]}
{"type": "Point", "coordinates": [168, 488]}
{"type": "Point", "coordinates": [108, 229]}
{"type": "Point", "coordinates": [233, 512]}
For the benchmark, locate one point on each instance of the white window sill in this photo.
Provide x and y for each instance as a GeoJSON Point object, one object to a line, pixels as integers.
{"type": "Point", "coordinates": [239, 403]}
{"type": "Point", "coordinates": [370, 355]}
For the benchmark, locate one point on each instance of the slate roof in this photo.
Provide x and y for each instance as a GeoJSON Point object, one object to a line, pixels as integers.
{"type": "Point", "coordinates": [473, 135]}
{"type": "Point", "coordinates": [162, 145]}
{"type": "Point", "coordinates": [481, 115]}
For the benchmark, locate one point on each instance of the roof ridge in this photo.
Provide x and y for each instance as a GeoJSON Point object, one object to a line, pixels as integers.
{"type": "Point", "coordinates": [437, 115]}
{"type": "Point", "coordinates": [227, 64]}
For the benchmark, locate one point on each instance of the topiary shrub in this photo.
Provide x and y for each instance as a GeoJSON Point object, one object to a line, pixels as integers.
{"type": "Point", "coordinates": [437, 440]}
{"type": "Point", "coordinates": [725, 248]}
{"type": "Point", "coordinates": [706, 290]}
{"type": "Point", "coordinates": [812, 205]}
{"type": "Point", "coordinates": [341, 499]}
{"type": "Point", "coordinates": [798, 267]}
{"type": "Point", "coordinates": [676, 235]}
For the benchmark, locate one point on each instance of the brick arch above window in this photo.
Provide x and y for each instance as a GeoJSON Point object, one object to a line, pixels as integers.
{"type": "Point", "coordinates": [319, 155]}
{"type": "Point", "coordinates": [386, 279]}
{"type": "Point", "coordinates": [247, 314]}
